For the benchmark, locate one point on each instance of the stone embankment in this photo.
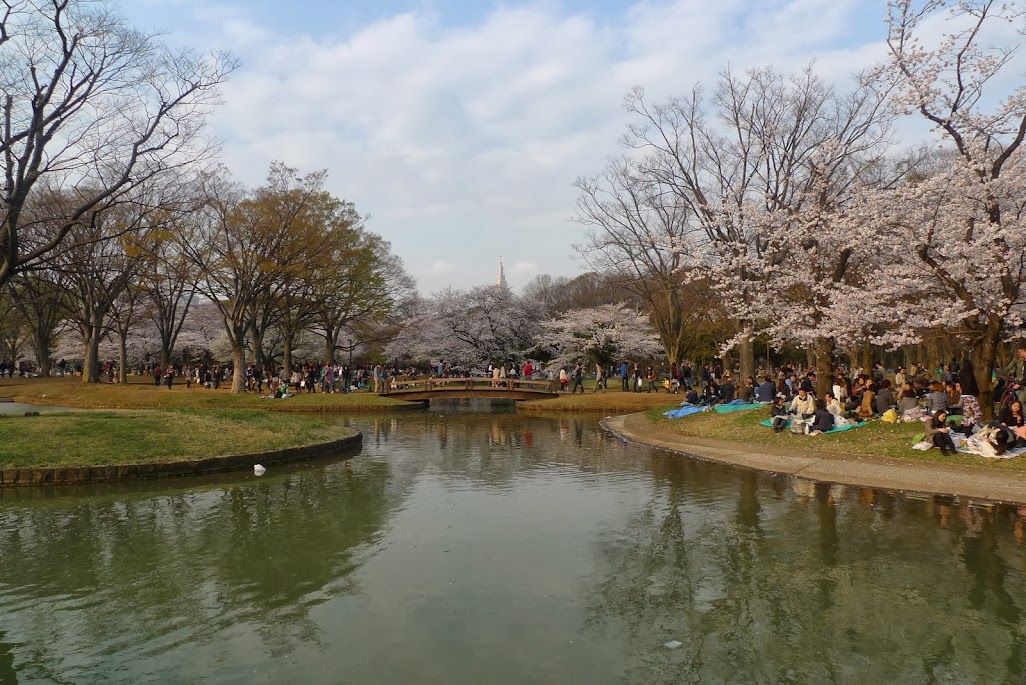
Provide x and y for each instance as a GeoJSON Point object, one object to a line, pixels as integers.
{"type": "Point", "coordinates": [61, 475]}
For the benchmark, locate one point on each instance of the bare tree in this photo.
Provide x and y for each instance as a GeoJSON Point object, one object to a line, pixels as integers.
{"type": "Point", "coordinates": [92, 109]}
{"type": "Point", "coordinates": [44, 299]}
{"type": "Point", "coordinates": [125, 312]}
{"type": "Point", "coordinates": [169, 279]}
{"type": "Point", "coordinates": [643, 236]}
{"type": "Point", "coordinates": [100, 270]}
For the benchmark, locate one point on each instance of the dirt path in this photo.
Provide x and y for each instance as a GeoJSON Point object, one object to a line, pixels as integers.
{"type": "Point", "coordinates": [874, 472]}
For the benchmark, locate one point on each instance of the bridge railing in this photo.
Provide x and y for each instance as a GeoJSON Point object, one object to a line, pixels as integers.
{"type": "Point", "coordinates": [433, 384]}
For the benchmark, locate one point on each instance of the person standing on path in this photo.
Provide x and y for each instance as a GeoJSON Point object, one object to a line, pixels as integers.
{"type": "Point", "coordinates": [578, 378]}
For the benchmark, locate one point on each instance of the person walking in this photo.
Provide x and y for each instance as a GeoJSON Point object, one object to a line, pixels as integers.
{"type": "Point", "coordinates": [578, 378]}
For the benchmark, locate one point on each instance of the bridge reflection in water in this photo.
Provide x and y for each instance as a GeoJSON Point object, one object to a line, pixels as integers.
{"type": "Point", "coordinates": [469, 388]}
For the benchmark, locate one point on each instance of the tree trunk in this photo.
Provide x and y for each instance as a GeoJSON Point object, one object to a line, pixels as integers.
{"type": "Point", "coordinates": [746, 350]}
{"type": "Point", "coordinates": [984, 356]}
{"type": "Point", "coordinates": [867, 357]}
{"type": "Point", "coordinates": [257, 343]}
{"type": "Point", "coordinates": [287, 356]}
{"type": "Point", "coordinates": [824, 366]}
{"type": "Point", "coordinates": [932, 355]}
{"type": "Point", "coordinates": [239, 360]}
{"type": "Point", "coordinates": [91, 345]}
{"type": "Point", "coordinates": [123, 357]}
{"type": "Point", "coordinates": [165, 353]}
{"type": "Point", "coordinates": [810, 358]}
{"type": "Point", "coordinates": [330, 345]}
{"type": "Point", "coordinates": [42, 350]}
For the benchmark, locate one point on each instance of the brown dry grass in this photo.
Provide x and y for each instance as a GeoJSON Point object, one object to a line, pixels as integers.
{"type": "Point", "coordinates": [141, 393]}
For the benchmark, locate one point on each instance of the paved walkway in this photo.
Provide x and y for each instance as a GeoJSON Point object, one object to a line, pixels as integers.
{"type": "Point", "coordinates": [874, 472]}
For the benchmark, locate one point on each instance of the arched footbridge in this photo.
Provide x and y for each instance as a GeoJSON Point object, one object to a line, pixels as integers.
{"type": "Point", "coordinates": [464, 388]}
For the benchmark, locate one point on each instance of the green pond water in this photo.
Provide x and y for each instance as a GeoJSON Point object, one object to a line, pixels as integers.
{"type": "Point", "coordinates": [502, 548]}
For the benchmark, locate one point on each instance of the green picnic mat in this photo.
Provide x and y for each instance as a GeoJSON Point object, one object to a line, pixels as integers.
{"type": "Point", "coordinates": [728, 408]}
{"type": "Point", "coordinates": [837, 429]}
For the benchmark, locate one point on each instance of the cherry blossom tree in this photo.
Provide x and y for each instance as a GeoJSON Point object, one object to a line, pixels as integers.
{"type": "Point", "coordinates": [469, 328]}
{"type": "Point", "coordinates": [600, 335]}
{"type": "Point", "coordinates": [734, 159]}
{"type": "Point", "coordinates": [967, 221]}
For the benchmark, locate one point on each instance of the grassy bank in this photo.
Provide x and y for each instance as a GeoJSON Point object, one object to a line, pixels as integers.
{"type": "Point", "coordinates": [876, 439]}
{"type": "Point", "coordinates": [108, 437]}
{"type": "Point", "coordinates": [604, 400]}
{"type": "Point", "coordinates": [141, 393]}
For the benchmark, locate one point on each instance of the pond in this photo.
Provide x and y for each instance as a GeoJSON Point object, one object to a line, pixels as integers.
{"type": "Point", "coordinates": [502, 548]}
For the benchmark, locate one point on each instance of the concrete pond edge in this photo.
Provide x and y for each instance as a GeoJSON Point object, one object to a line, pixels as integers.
{"type": "Point", "coordinates": [856, 470]}
{"type": "Point", "coordinates": [76, 475]}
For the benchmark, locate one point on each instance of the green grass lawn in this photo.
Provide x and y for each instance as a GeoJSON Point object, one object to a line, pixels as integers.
{"type": "Point", "coordinates": [106, 437]}
{"type": "Point", "coordinates": [876, 439]}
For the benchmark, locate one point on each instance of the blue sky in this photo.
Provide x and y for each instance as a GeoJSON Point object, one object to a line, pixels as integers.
{"type": "Point", "coordinates": [460, 126]}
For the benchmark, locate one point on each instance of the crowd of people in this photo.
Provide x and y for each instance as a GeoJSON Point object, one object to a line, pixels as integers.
{"type": "Point", "coordinates": [945, 400]}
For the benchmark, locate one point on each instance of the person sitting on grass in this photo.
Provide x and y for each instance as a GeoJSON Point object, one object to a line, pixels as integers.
{"type": "Point", "coordinates": [782, 386]}
{"type": "Point", "coordinates": [884, 398]}
{"type": "Point", "coordinates": [833, 405]}
{"type": "Point", "coordinates": [841, 388]}
{"type": "Point", "coordinates": [907, 398]}
{"type": "Point", "coordinates": [937, 399]}
{"type": "Point", "coordinates": [971, 412]}
{"type": "Point", "coordinates": [804, 404]}
{"type": "Point", "coordinates": [778, 413]}
{"type": "Point", "coordinates": [712, 393]}
{"type": "Point", "coordinates": [938, 433]}
{"type": "Point", "coordinates": [866, 407]}
{"type": "Point", "coordinates": [951, 389]}
{"type": "Point", "coordinates": [1012, 417]}
{"type": "Point", "coordinates": [766, 390]}
{"type": "Point", "coordinates": [727, 389]}
{"type": "Point", "coordinates": [822, 419]}
{"type": "Point", "coordinates": [746, 393]}
{"type": "Point", "coordinates": [692, 396]}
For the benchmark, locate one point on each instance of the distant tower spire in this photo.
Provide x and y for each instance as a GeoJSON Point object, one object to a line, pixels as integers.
{"type": "Point", "coordinates": [501, 282]}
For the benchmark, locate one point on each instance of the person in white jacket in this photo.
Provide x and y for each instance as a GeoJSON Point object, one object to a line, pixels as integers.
{"type": "Point", "coordinates": [804, 404]}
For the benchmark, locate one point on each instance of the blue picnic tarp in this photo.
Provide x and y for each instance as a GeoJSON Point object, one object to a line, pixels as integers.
{"type": "Point", "coordinates": [684, 411]}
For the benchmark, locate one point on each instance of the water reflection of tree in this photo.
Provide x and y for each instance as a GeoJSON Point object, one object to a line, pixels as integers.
{"type": "Point", "coordinates": [812, 587]}
{"type": "Point", "coordinates": [493, 450]}
{"type": "Point", "coordinates": [103, 583]}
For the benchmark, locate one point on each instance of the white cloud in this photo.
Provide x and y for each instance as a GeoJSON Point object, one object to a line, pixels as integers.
{"type": "Point", "coordinates": [442, 268]}
{"type": "Point", "coordinates": [464, 142]}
